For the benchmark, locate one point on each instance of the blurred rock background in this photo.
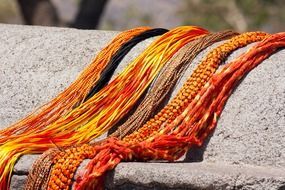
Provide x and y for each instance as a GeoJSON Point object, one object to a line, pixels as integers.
{"type": "Point", "coordinates": [240, 15]}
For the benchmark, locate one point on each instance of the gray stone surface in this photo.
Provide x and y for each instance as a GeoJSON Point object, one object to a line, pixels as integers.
{"type": "Point", "coordinates": [36, 64]}
{"type": "Point", "coordinates": [246, 150]}
{"type": "Point", "coordinates": [18, 182]}
{"type": "Point", "coordinates": [203, 175]}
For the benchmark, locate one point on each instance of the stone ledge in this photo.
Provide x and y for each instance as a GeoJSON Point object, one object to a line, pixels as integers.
{"type": "Point", "coordinates": [39, 62]}
{"type": "Point", "coordinates": [143, 176]}
{"type": "Point", "coordinates": [203, 175]}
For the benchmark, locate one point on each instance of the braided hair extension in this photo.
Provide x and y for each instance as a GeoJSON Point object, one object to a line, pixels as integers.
{"type": "Point", "coordinates": [166, 81]}
{"type": "Point", "coordinates": [167, 78]}
{"type": "Point", "coordinates": [98, 114]}
{"type": "Point", "coordinates": [188, 129]}
{"type": "Point", "coordinates": [41, 167]}
{"type": "Point", "coordinates": [119, 55]}
{"type": "Point", "coordinates": [74, 94]}
{"type": "Point", "coordinates": [39, 173]}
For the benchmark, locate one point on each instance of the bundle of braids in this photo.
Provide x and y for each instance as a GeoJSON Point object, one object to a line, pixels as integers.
{"type": "Point", "coordinates": [186, 121]}
{"type": "Point", "coordinates": [98, 111]}
{"type": "Point", "coordinates": [190, 128]}
{"type": "Point", "coordinates": [162, 86]}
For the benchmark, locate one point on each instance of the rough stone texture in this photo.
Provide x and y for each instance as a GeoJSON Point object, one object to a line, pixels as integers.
{"type": "Point", "coordinates": [36, 64]}
{"type": "Point", "coordinates": [246, 150]}
{"type": "Point", "coordinates": [18, 182]}
{"type": "Point", "coordinates": [194, 176]}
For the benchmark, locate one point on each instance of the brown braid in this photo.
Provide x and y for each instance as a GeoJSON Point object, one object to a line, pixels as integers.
{"type": "Point", "coordinates": [166, 81]}
{"type": "Point", "coordinates": [39, 174]}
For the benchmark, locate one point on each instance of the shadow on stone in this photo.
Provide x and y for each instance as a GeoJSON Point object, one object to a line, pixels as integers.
{"type": "Point", "coordinates": [196, 154]}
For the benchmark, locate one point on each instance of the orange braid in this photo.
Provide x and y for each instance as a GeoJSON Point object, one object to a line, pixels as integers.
{"type": "Point", "coordinates": [192, 86]}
